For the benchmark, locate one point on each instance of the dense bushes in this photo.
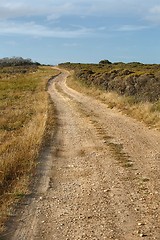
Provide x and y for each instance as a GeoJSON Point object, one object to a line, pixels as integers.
{"type": "Point", "coordinates": [16, 61]}
{"type": "Point", "coordinates": [132, 79]}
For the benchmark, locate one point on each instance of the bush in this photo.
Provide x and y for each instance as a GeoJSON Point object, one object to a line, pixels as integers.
{"type": "Point", "coordinates": [103, 62]}
{"type": "Point", "coordinates": [16, 61]}
{"type": "Point", "coordinates": [133, 79]}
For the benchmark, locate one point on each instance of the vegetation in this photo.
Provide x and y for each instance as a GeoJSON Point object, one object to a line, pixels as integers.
{"type": "Point", "coordinates": [103, 62]}
{"type": "Point", "coordinates": [134, 88]}
{"type": "Point", "coordinates": [16, 61]}
{"type": "Point", "coordinates": [134, 79]}
{"type": "Point", "coordinates": [24, 111]}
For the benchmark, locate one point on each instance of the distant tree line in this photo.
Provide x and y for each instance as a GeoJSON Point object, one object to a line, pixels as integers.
{"type": "Point", "coordinates": [16, 61]}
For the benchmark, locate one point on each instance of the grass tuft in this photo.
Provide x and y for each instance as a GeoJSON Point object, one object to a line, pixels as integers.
{"type": "Point", "coordinates": [24, 111]}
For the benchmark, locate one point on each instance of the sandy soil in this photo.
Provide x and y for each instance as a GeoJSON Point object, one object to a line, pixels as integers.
{"type": "Point", "coordinates": [100, 180]}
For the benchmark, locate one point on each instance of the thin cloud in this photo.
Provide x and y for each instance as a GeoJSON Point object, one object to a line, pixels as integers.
{"type": "Point", "coordinates": [11, 43]}
{"type": "Point", "coordinates": [53, 9]}
{"type": "Point", "coordinates": [11, 12]}
{"type": "Point", "coordinates": [70, 44]}
{"type": "Point", "coordinates": [36, 30]}
{"type": "Point", "coordinates": [129, 28]}
{"type": "Point", "coordinates": [17, 10]}
{"type": "Point", "coordinates": [154, 15]}
{"type": "Point", "coordinates": [58, 11]}
{"type": "Point", "coordinates": [155, 10]}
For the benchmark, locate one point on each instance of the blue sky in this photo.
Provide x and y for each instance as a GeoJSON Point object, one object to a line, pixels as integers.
{"type": "Point", "coordinates": [52, 31]}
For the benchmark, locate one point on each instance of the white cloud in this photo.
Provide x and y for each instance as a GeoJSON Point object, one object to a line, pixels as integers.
{"type": "Point", "coordinates": [12, 11]}
{"type": "Point", "coordinates": [70, 44]}
{"type": "Point", "coordinates": [154, 15]}
{"type": "Point", "coordinates": [55, 9]}
{"type": "Point", "coordinates": [58, 11]}
{"type": "Point", "coordinates": [155, 10]}
{"type": "Point", "coordinates": [36, 30]}
{"type": "Point", "coordinates": [11, 43]}
{"type": "Point", "coordinates": [127, 28]}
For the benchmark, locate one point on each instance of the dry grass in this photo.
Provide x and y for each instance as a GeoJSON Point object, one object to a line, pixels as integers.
{"type": "Point", "coordinates": [141, 81]}
{"type": "Point", "coordinates": [147, 112]}
{"type": "Point", "coordinates": [24, 108]}
{"type": "Point", "coordinates": [133, 88]}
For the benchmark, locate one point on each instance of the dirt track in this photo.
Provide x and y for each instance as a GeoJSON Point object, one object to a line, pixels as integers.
{"type": "Point", "coordinates": [100, 180]}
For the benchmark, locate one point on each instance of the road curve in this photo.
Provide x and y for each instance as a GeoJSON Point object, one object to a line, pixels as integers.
{"type": "Point", "coordinates": [101, 178]}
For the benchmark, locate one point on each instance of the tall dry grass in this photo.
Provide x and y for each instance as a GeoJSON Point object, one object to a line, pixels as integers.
{"type": "Point", "coordinates": [24, 110]}
{"type": "Point", "coordinates": [147, 112]}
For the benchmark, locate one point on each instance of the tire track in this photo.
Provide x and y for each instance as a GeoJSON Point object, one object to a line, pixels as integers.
{"type": "Point", "coordinates": [93, 183]}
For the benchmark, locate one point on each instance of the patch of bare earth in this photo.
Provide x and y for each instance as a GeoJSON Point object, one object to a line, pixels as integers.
{"type": "Point", "coordinates": [100, 180]}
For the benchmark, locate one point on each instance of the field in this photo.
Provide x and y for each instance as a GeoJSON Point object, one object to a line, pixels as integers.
{"type": "Point", "coordinates": [134, 88]}
{"type": "Point", "coordinates": [24, 111]}
{"type": "Point", "coordinates": [97, 174]}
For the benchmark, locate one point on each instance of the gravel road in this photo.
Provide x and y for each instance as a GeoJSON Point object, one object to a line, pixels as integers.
{"type": "Point", "coordinates": [100, 179]}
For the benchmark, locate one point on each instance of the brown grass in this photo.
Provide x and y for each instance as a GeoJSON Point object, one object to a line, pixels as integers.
{"type": "Point", "coordinates": [140, 81]}
{"type": "Point", "coordinates": [147, 112]}
{"type": "Point", "coordinates": [24, 105]}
